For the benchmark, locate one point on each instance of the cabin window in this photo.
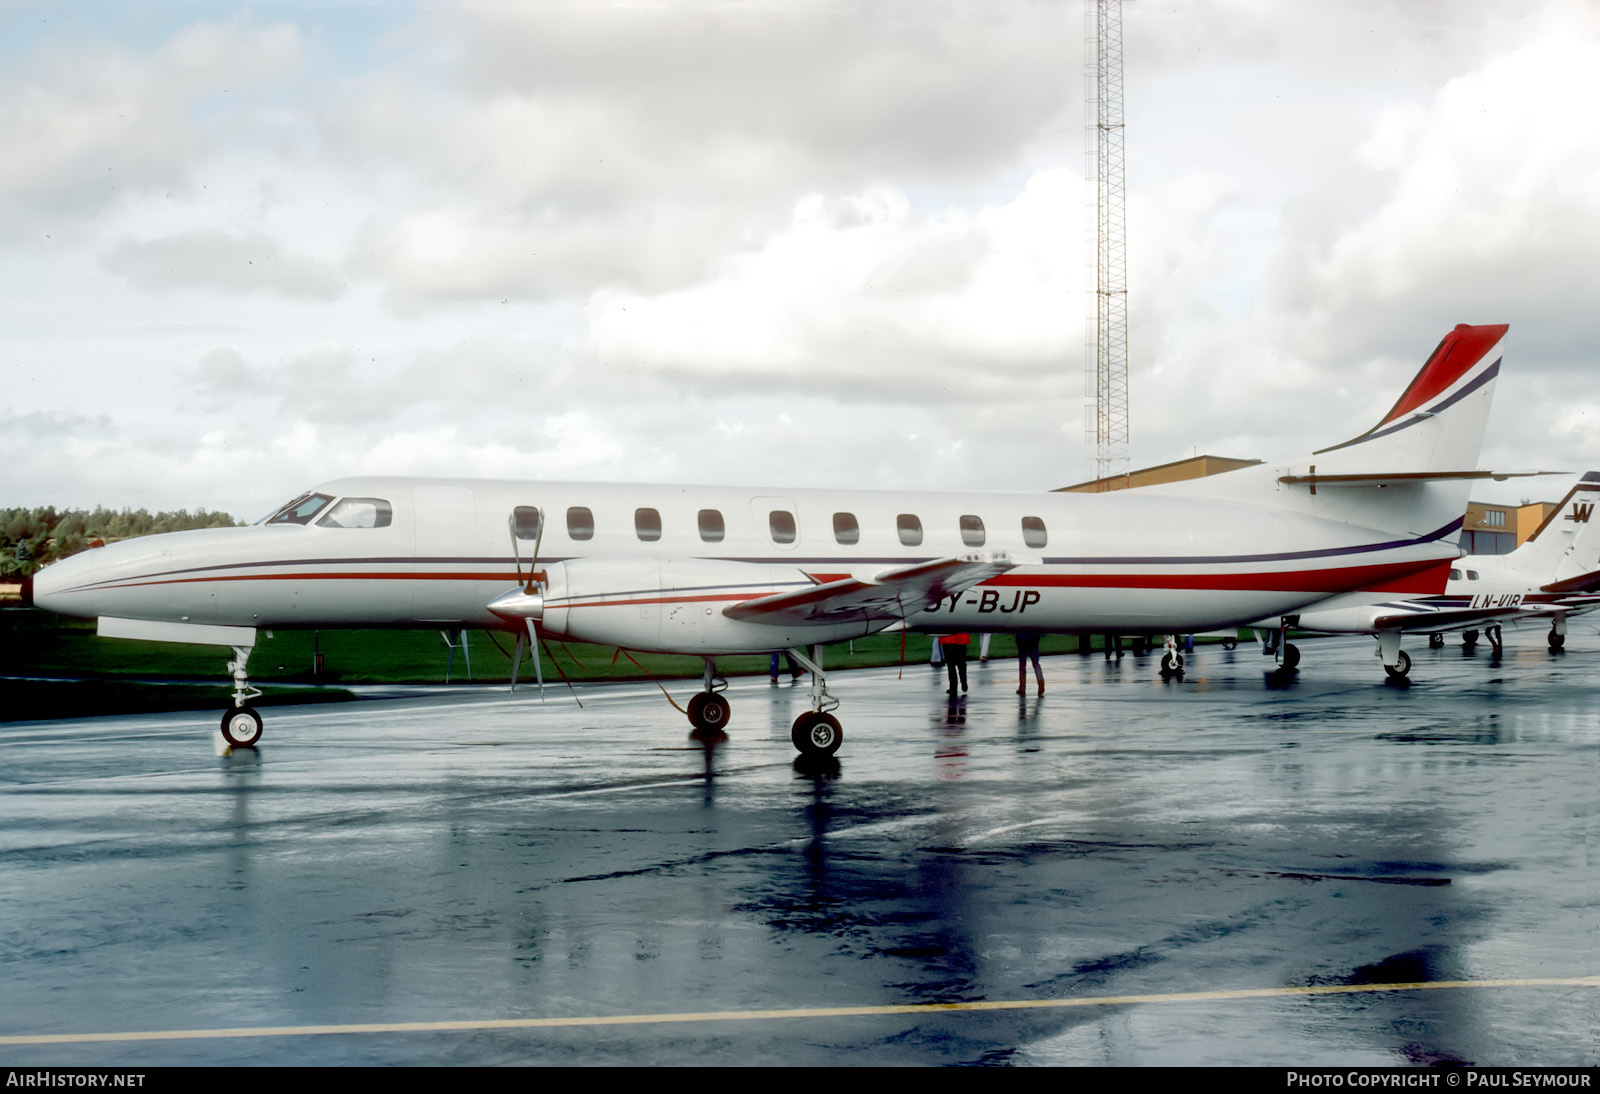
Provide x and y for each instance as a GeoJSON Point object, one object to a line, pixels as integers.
{"type": "Point", "coordinates": [972, 533]}
{"type": "Point", "coordinates": [358, 513]}
{"type": "Point", "coordinates": [647, 524]}
{"type": "Point", "coordinates": [300, 510]}
{"type": "Point", "coordinates": [580, 522]}
{"type": "Point", "coordinates": [1472, 575]}
{"type": "Point", "coordinates": [1455, 575]}
{"type": "Point", "coordinates": [526, 522]}
{"type": "Point", "coordinates": [846, 529]}
{"type": "Point", "coordinates": [1033, 532]}
{"type": "Point", "coordinates": [910, 527]}
{"type": "Point", "coordinates": [781, 523]}
{"type": "Point", "coordinates": [712, 529]}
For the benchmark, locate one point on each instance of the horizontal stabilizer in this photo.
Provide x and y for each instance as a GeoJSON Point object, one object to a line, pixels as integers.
{"type": "Point", "coordinates": [891, 594]}
{"type": "Point", "coordinates": [1394, 478]}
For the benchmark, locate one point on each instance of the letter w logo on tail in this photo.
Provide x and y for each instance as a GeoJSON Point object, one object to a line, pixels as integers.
{"type": "Point", "coordinates": [1581, 512]}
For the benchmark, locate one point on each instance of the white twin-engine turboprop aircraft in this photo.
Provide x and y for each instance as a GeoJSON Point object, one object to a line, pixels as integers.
{"type": "Point", "coordinates": [710, 571]}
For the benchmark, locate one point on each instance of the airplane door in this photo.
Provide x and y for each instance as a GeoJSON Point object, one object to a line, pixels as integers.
{"type": "Point", "coordinates": [446, 527]}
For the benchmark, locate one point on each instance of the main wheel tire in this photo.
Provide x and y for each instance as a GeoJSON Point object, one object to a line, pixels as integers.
{"type": "Point", "coordinates": [1436, 641]}
{"type": "Point", "coordinates": [1171, 664]}
{"type": "Point", "coordinates": [1230, 643]}
{"type": "Point", "coordinates": [1291, 657]}
{"type": "Point", "coordinates": [1401, 668]}
{"type": "Point", "coordinates": [709, 711]}
{"type": "Point", "coordinates": [817, 734]}
{"type": "Point", "coordinates": [1557, 640]}
{"type": "Point", "coordinates": [241, 727]}
{"type": "Point", "coordinates": [1469, 638]}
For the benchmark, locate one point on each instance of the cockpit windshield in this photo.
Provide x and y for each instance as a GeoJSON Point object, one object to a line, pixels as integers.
{"type": "Point", "coordinates": [358, 513]}
{"type": "Point", "coordinates": [300, 510]}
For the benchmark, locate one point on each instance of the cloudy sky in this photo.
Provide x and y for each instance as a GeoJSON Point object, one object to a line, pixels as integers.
{"type": "Point", "coordinates": [789, 242]}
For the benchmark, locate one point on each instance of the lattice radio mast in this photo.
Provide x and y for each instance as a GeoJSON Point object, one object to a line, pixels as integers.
{"type": "Point", "coordinates": [1103, 106]}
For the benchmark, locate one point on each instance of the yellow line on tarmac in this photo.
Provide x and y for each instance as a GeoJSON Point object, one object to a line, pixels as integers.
{"type": "Point", "coordinates": [799, 1012]}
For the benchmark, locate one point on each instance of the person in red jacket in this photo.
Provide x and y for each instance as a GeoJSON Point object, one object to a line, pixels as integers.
{"type": "Point", "coordinates": [955, 658]}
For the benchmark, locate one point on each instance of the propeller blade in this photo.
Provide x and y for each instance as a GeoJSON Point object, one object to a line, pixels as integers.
{"type": "Point", "coordinates": [533, 563]}
{"type": "Point", "coordinates": [511, 524]}
{"type": "Point", "coordinates": [538, 663]}
{"type": "Point", "coordinates": [516, 659]}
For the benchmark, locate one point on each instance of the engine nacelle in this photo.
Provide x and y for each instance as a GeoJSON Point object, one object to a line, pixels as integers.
{"type": "Point", "coordinates": [674, 605]}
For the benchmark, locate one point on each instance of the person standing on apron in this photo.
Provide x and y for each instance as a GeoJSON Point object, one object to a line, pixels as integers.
{"type": "Point", "coordinates": [954, 648]}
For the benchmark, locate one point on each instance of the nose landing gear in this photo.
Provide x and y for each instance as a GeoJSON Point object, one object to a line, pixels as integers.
{"type": "Point", "coordinates": [241, 726]}
{"type": "Point", "coordinates": [709, 710]}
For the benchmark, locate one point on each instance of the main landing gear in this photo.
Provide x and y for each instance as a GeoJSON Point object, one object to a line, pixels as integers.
{"type": "Point", "coordinates": [1275, 643]}
{"type": "Point", "coordinates": [241, 726]}
{"type": "Point", "coordinates": [1396, 662]}
{"type": "Point", "coordinates": [1558, 634]}
{"type": "Point", "coordinates": [816, 733]}
{"type": "Point", "coordinates": [1171, 659]}
{"type": "Point", "coordinates": [1495, 636]}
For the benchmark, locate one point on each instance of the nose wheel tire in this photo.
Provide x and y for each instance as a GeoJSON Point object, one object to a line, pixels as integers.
{"type": "Point", "coordinates": [817, 734]}
{"type": "Point", "coordinates": [709, 712]}
{"type": "Point", "coordinates": [241, 727]}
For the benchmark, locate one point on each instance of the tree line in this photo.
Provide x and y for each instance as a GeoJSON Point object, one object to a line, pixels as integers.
{"type": "Point", "coordinates": [31, 538]}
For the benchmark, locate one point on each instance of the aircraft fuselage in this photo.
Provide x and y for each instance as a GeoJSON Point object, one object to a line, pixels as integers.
{"type": "Point", "coordinates": [1126, 561]}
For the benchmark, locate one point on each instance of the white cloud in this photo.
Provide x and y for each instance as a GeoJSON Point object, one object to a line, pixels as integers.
{"type": "Point", "coordinates": [863, 297]}
{"type": "Point", "coordinates": [799, 243]}
{"type": "Point", "coordinates": [229, 262]}
{"type": "Point", "coordinates": [85, 125]}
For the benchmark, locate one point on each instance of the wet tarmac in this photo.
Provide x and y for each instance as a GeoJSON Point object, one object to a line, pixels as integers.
{"type": "Point", "coordinates": [1106, 857]}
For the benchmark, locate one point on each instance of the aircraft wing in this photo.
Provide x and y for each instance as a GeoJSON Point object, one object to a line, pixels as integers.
{"type": "Point", "coordinates": [1451, 619]}
{"type": "Point", "coordinates": [1583, 583]}
{"type": "Point", "coordinates": [889, 595]}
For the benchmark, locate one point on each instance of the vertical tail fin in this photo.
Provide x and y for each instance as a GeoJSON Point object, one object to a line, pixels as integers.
{"type": "Point", "coordinates": [1410, 473]}
{"type": "Point", "coordinates": [1437, 423]}
{"type": "Point", "coordinates": [1567, 545]}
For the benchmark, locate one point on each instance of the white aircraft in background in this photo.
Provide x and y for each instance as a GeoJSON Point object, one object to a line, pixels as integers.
{"type": "Point", "coordinates": [712, 571]}
{"type": "Point", "coordinates": [1553, 575]}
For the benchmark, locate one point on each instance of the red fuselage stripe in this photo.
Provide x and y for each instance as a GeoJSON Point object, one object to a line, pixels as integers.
{"type": "Point", "coordinates": [1398, 577]}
